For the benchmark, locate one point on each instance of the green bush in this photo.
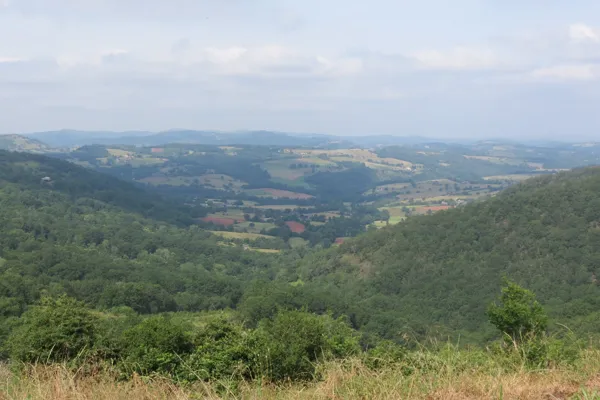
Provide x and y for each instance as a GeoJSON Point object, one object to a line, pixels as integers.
{"type": "Point", "coordinates": [156, 345]}
{"type": "Point", "coordinates": [519, 315]}
{"type": "Point", "coordinates": [290, 346]}
{"type": "Point", "coordinates": [523, 322]}
{"type": "Point", "coordinates": [56, 330]}
{"type": "Point", "coordinates": [221, 352]}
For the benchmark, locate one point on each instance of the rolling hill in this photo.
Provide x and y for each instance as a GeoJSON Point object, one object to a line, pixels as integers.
{"type": "Point", "coordinates": [67, 230]}
{"type": "Point", "coordinates": [436, 274]}
{"type": "Point", "coordinates": [22, 143]}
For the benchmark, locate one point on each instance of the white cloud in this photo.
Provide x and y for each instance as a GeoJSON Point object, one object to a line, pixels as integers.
{"type": "Point", "coordinates": [10, 59]}
{"type": "Point", "coordinates": [568, 72]}
{"type": "Point", "coordinates": [460, 58]}
{"type": "Point", "coordinates": [583, 33]}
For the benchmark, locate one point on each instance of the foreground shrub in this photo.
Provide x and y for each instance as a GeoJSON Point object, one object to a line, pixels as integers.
{"type": "Point", "coordinates": [221, 352]}
{"type": "Point", "coordinates": [289, 346]}
{"type": "Point", "coordinates": [518, 315]}
{"type": "Point", "coordinates": [156, 345]}
{"type": "Point", "coordinates": [56, 330]}
{"type": "Point", "coordinates": [523, 322]}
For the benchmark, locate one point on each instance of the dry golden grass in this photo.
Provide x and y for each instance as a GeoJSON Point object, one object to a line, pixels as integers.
{"type": "Point", "coordinates": [454, 380]}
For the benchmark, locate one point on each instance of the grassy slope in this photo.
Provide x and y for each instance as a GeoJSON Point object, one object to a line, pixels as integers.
{"type": "Point", "coordinates": [452, 375]}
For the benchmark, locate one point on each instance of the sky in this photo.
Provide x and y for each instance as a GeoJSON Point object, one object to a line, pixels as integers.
{"type": "Point", "coordinates": [437, 68]}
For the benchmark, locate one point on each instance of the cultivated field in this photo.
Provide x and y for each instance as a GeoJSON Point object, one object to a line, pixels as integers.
{"type": "Point", "coordinates": [281, 207]}
{"type": "Point", "coordinates": [254, 227]}
{"type": "Point", "coordinates": [278, 194]}
{"type": "Point", "coordinates": [120, 153]}
{"type": "Point", "coordinates": [510, 178]}
{"type": "Point", "coordinates": [370, 159]}
{"type": "Point", "coordinates": [296, 227]}
{"type": "Point", "coordinates": [497, 160]}
{"type": "Point", "coordinates": [240, 235]}
{"type": "Point", "coordinates": [396, 213]}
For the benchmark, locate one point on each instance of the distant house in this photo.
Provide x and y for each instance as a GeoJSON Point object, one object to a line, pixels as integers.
{"type": "Point", "coordinates": [46, 180]}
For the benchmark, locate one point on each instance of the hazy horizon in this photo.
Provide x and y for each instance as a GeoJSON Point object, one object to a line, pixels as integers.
{"type": "Point", "coordinates": [469, 69]}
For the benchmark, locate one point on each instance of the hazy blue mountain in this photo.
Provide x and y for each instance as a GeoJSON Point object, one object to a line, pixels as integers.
{"type": "Point", "coordinates": [71, 138]}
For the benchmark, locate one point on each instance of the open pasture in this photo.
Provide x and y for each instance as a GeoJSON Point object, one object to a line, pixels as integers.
{"type": "Point", "coordinates": [353, 155]}
{"type": "Point", "coordinates": [254, 227]}
{"type": "Point", "coordinates": [510, 178]}
{"type": "Point", "coordinates": [240, 235]}
{"type": "Point", "coordinates": [278, 193]}
{"type": "Point", "coordinates": [496, 160]}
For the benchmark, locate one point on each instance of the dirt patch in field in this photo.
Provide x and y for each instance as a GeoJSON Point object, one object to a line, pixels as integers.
{"type": "Point", "coordinates": [295, 227]}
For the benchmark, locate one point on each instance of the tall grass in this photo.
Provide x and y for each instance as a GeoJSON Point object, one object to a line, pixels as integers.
{"type": "Point", "coordinates": [448, 373]}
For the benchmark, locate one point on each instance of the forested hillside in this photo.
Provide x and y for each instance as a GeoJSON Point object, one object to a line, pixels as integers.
{"type": "Point", "coordinates": [67, 230]}
{"type": "Point", "coordinates": [41, 174]}
{"type": "Point", "coordinates": [87, 261]}
{"type": "Point", "coordinates": [437, 273]}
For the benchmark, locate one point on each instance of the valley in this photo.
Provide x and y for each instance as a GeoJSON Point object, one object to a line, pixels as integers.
{"type": "Point", "coordinates": [217, 249]}
{"type": "Point", "coordinates": [285, 200]}
{"type": "Point", "coordinates": [333, 189]}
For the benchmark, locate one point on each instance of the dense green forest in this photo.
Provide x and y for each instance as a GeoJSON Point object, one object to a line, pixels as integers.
{"type": "Point", "coordinates": [435, 274]}
{"type": "Point", "coordinates": [66, 230]}
{"type": "Point", "coordinates": [99, 275]}
{"type": "Point", "coordinates": [108, 243]}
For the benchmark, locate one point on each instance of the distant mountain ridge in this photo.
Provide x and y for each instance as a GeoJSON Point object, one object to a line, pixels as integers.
{"type": "Point", "coordinates": [73, 138]}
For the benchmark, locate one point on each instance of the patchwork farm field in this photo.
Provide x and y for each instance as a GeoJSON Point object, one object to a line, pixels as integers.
{"type": "Point", "coordinates": [254, 227]}
{"type": "Point", "coordinates": [497, 160]}
{"type": "Point", "coordinates": [510, 178]}
{"type": "Point", "coordinates": [281, 207]}
{"type": "Point", "coordinates": [296, 227]}
{"type": "Point", "coordinates": [277, 193]}
{"type": "Point", "coordinates": [396, 213]}
{"type": "Point", "coordinates": [240, 235]}
{"type": "Point", "coordinates": [227, 218]}
{"type": "Point", "coordinates": [352, 155]}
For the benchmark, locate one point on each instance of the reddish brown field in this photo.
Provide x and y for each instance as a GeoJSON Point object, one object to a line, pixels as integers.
{"type": "Point", "coordinates": [219, 221]}
{"type": "Point", "coordinates": [295, 227]}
